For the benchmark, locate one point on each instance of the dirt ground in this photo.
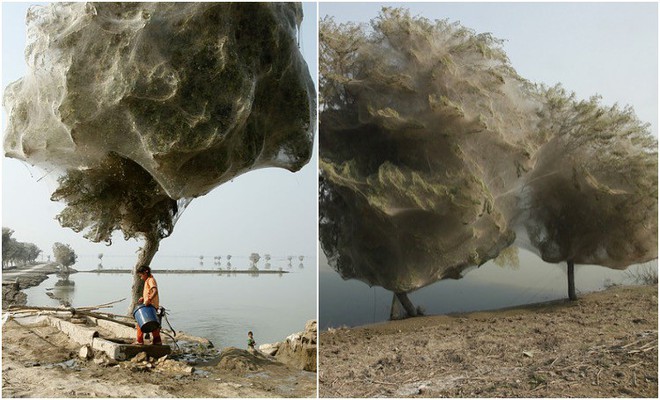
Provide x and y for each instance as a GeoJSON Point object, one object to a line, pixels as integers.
{"type": "Point", "coordinates": [603, 345]}
{"type": "Point", "coordinates": [40, 361]}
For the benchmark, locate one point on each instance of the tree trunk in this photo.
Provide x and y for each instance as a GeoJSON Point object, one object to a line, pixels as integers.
{"type": "Point", "coordinates": [571, 280]}
{"type": "Point", "coordinates": [396, 310]}
{"type": "Point", "coordinates": [147, 253]}
{"type": "Point", "coordinates": [407, 304]}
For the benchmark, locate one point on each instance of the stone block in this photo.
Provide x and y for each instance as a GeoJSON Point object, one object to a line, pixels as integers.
{"type": "Point", "coordinates": [80, 334]}
{"type": "Point", "coordinates": [85, 352]}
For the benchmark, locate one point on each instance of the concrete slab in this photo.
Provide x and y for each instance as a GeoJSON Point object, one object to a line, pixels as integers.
{"type": "Point", "coordinates": [118, 330]}
{"type": "Point", "coordinates": [107, 347]}
{"type": "Point", "coordinates": [121, 352]}
{"type": "Point", "coordinates": [114, 344]}
{"type": "Point", "coordinates": [156, 351]}
{"type": "Point", "coordinates": [80, 334]}
{"type": "Point", "coordinates": [30, 320]}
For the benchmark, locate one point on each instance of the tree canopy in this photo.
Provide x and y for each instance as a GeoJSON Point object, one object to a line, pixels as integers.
{"type": "Point", "coordinates": [218, 90]}
{"type": "Point", "coordinates": [64, 254]}
{"type": "Point", "coordinates": [117, 194]}
{"type": "Point", "coordinates": [435, 156]}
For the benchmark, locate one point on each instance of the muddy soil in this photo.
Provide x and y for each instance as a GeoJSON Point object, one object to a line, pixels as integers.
{"type": "Point", "coordinates": [40, 361]}
{"type": "Point", "coordinates": [603, 345]}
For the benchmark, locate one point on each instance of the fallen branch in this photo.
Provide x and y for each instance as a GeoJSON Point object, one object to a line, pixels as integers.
{"type": "Point", "coordinates": [630, 344]}
{"type": "Point", "coordinates": [555, 360]}
{"type": "Point", "coordinates": [74, 311]}
{"type": "Point", "coordinates": [384, 383]}
{"type": "Point", "coordinates": [103, 317]}
{"type": "Point", "coordinates": [104, 305]}
{"type": "Point", "coordinates": [540, 385]}
{"type": "Point", "coordinates": [649, 344]}
{"type": "Point", "coordinates": [117, 316]}
{"type": "Point", "coordinates": [26, 308]}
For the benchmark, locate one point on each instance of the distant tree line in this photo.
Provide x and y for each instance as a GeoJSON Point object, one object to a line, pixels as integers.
{"type": "Point", "coordinates": [15, 252]}
{"type": "Point", "coordinates": [20, 253]}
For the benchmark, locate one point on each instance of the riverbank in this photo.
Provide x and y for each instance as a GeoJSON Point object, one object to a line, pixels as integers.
{"type": "Point", "coordinates": [603, 345]}
{"type": "Point", "coordinates": [16, 279]}
{"type": "Point", "coordinates": [41, 361]}
{"type": "Point", "coordinates": [223, 308]}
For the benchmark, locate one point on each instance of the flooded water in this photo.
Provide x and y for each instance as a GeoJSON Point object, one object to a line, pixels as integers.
{"type": "Point", "coordinates": [353, 303]}
{"type": "Point", "coordinates": [221, 307]}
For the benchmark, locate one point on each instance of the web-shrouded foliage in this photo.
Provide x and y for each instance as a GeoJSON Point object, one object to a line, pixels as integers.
{"type": "Point", "coordinates": [412, 149]}
{"type": "Point", "coordinates": [139, 105]}
{"type": "Point", "coordinates": [116, 194]}
{"type": "Point", "coordinates": [195, 93]}
{"type": "Point", "coordinates": [592, 197]}
{"type": "Point", "coordinates": [432, 148]}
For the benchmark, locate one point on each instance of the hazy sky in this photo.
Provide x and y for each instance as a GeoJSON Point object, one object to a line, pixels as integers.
{"type": "Point", "coordinates": [609, 49]}
{"type": "Point", "coordinates": [265, 211]}
{"type": "Point", "coordinates": [605, 48]}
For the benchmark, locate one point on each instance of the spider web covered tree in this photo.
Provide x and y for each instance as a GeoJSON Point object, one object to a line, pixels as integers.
{"type": "Point", "coordinates": [436, 156]}
{"type": "Point", "coordinates": [117, 195]}
{"type": "Point", "coordinates": [142, 107]}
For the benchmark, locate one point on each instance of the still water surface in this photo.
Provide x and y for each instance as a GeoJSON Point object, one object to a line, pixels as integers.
{"type": "Point", "coordinates": [220, 307]}
{"type": "Point", "coordinates": [353, 303]}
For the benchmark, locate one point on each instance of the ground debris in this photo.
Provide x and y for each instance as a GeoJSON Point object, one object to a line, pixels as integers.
{"type": "Point", "coordinates": [483, 354]}
{"type": "Point", "coordinates": [85, 352]}
{"type": "Point", "coordinates": [40, 361]}
{"type": "Point", "coordinates": [140, 357]}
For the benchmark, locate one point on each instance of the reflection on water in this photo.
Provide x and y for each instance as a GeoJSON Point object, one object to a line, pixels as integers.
{"type": "Point", "coordinates": [353, 303]}
{"type": "Point", "coordinates": [222, 307]}
{"type": "Point", "coordinates": [63, 290]}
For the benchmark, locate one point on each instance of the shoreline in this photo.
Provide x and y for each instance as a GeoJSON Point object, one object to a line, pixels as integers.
{"type": "Point", "coordinates": [34, 367]}
{"type": "Point", "coordinates": [56, 292]}
{"type": "Point", "coordinates": [186, 271]}
{"type": "Point", "coordinates": [40, 360]}
{"type": "Point", "coordinates": [459, 314]}
{"type": "Point", "coordinates": [603, 345]}
{"type": "Point", "coordinates": [15, 280]}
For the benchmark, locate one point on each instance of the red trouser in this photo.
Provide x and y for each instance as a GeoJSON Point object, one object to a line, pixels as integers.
{"type": "Point", "coordinates": [155, 333]}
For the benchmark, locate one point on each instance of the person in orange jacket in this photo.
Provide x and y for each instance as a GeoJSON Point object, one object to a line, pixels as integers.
{"type": "Point", "coordinates": [149, 298]}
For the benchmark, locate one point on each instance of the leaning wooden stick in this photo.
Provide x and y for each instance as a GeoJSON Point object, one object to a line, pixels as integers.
{"type": "Point", "coordinates": [104, 305]}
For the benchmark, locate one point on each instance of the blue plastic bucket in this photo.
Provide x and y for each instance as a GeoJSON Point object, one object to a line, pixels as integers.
{"type": "Point", "coordinates": [146, 317]}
